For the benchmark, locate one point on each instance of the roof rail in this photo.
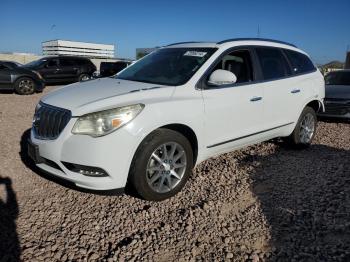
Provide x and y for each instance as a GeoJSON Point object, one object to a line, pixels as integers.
{"type": "Point", "coordinates": [189, 42]}
{"type": "Point", "coordinates": [256, 39]}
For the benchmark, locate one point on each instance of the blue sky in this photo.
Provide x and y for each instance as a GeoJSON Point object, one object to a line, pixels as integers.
{"type": "Point", "coordinates": [321, 28]}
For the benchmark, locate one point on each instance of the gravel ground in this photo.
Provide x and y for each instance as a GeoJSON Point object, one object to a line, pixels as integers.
{"type": "Point", "coordinates": [264, 203]}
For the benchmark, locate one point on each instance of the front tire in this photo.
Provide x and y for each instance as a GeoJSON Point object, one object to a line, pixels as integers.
{"type": "Point", "coordinates": [25, 86]}
{"type": "Point", "coordinates": [162, 165]}
{"type": "Point", "coordinates": [305, 129]}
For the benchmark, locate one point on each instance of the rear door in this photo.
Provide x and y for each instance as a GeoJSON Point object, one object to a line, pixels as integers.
{"type": "Point", "coordinates": [68, 68]}
{"type": "Point", "coordinates": [279, 101]}
{"type": "Point", "coordinates": [303, 85]}
{"type": "Point", "coordinates": [5, 76]}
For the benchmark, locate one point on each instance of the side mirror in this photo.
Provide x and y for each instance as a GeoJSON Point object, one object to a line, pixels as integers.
{"type": "Point", "coordinates": [222, 77]}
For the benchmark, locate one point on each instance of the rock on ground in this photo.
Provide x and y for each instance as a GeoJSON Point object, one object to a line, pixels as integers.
{"type": "Point", "coordinates": [265, 202]}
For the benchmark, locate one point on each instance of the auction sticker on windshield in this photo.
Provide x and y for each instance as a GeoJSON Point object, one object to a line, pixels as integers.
{"type": "Point", "coordinates": [195, 53]}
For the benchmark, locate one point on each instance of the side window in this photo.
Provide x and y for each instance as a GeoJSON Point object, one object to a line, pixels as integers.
{"type": "Point", "coordinates": [81, 62]}
{"type": "Point", "coordinates": [52, 63]}
{"type": "Point", "coordinates": [273, 63]}
{"type": "Point", "coordinates": [66, 62]}
{"type": "Point", "coordinates": [238, 62]}
{"type": "Point", "coordinates": [300, 62]}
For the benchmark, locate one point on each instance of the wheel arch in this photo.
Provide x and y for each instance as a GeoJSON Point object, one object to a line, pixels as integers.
{"type": "Point", "coordinates": [18, 77]}
{"type": "Point", "coordinates": [187, 132]}
{"type": "Point", "coordinates": [316, 105]}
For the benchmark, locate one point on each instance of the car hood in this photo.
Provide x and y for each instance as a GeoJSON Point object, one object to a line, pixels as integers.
{"type": "Point", "coordinates": [104, 93]}
{"type": "Point", "coordinates": [338, 91]}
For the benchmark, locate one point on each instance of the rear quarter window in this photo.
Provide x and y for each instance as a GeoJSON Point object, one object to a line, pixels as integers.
{"type": "Point", "coordinates": [301, 64]}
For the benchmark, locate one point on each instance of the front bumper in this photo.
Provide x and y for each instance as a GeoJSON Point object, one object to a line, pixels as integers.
{"type": "Point", "coordinates": [113, 153]}
{"type": "Point", "coordinates": [39, 85]}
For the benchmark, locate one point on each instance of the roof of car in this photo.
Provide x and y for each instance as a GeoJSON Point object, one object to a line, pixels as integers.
{"type": "Point", "coordinates": [6, 61]}
{"type": "Point", "coordinates": [254, 41]}
{"type": "Point", "coordinates": [65, 56]}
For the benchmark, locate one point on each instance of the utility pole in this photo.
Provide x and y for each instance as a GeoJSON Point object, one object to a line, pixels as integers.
{"type": "Point", "coordinates": [258, 33]}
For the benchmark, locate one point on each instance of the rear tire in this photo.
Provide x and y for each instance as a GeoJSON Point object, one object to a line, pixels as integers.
{"type": "Point", "coordinates": [83, 77]}
{"type": "Point", "coordinates": [304, 130]}
{"type": "Point", "coordinates": [162, 165]}
{"type": "Point", "coordinates": [25, 86]}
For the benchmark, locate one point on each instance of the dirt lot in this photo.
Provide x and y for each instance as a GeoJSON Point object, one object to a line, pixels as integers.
{"type": "Point", "coordinates": [266, 202]}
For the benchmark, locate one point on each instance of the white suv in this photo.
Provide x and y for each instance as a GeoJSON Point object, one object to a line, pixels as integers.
{"type": "Point", "coordinates": [149, 125]}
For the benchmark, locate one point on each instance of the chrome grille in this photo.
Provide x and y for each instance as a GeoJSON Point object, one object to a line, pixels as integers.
{"type": "Point", "coordinates": [49, 121]}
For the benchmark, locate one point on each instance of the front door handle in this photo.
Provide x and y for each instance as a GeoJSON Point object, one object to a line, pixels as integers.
{"type": "Point", "coordinates": [294, 91]}
{"type": "Point", "coordinates": [255, 98]}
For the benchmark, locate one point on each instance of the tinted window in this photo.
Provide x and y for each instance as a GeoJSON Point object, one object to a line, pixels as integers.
{"type": "Point", "coordinates": [338, 78]}
{"type": "Point", "coordinates": [67, 62]}
{"type": "Point", "coordinates": [82, 61]}
{"type": "Point", "coordinates": [239, 63]}
{"type": "Point", "coordinates": [273, 63]}
{"type": "Point", "coordinates": [111, 68]}
{"type": "Point", "coordinates": [300, 62]}
{"type": "Point", "coordinates": [167, 66]}
{"type": "Point", "coordinates": [36, 62]}
{"type": "Point", "coordinates": [52, 63]}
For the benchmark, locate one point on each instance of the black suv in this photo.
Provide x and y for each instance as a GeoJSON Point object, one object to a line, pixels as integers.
{"type": "Point", "coordinates": [112, 68]}
{"type": "Point", "coordinates": [20, 79]}
{"type": "Point", "coordinates": [63, 69]}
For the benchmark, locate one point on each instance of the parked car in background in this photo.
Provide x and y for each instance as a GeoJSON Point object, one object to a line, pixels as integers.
{"type": "Point", "coordinates": [22, 80]}
{"type": "Point", "coordinates": [337, 99]}
{"type": "Point", "coordinates": [63, 69]}
{"type": "Point", "coordinates": [184, 103]}
{"type": "Point", "coordinates": [112, 68]}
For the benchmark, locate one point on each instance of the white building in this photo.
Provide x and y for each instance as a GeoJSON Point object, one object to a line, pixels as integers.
{"type": "Point", "coordinates": [64, 47]}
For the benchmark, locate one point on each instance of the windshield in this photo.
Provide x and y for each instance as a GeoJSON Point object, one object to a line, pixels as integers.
{"type": "Point", "coordinates": [338, 78]}
{"type": "Point", "coordinates": [35, 63]}
{"type": "Point", "coordinates": [168, 66]}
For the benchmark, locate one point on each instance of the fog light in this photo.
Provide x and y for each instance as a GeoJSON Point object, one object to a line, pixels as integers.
{"type": "Point", "coordinates": [91, 173]}
{"type": "Point", "coordinates": [85, 170]}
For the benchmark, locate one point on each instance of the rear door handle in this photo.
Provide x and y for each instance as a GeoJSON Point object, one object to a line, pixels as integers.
{"type": "Point", "coordinates": [255, 98]}
{"type": "Point", "coordinates": [294, 91]}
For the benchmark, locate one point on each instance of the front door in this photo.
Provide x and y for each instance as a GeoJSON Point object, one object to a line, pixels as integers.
{"type": "Point", "coordinates": [233, 113]}
{"type": "Point", "coordinates": [51, 71]}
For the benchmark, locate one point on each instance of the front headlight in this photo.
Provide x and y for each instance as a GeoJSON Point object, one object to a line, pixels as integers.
{"type": "Point", "coordinates": [105, 122]}
{"type": "Point", "coordinates": [38, 106]}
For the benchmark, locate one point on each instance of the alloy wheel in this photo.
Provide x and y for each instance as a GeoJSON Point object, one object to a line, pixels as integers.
{"type": "Point", "coordinates": [26, 86]}
{"type": "Point", "coordinates": [166, 167]}
{"type": "Point", "coordinates": [307, 128]}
